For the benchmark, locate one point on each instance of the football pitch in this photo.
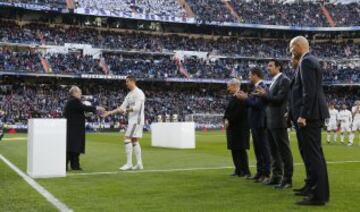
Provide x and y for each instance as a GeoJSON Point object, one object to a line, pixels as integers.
{"type": "Point", "coordinates": [173, 180]}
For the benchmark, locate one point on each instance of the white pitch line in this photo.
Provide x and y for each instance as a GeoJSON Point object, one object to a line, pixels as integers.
{"type": "Point", "coordinates": [15, 139]}
{"type": "Point", "coordinates": [179, 170]}
{"type": "Point", "coordinates": [41, 190]}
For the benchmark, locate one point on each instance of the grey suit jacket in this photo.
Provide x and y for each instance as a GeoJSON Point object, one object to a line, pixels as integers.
{"type": "Point", "coordinates": [276, 100]}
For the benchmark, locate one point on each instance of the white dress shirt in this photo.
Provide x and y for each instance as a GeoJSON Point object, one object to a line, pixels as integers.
{"type": "Point", "coordinates": [274, 79]}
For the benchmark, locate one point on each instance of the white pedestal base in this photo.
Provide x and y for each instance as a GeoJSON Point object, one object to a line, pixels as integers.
{"type": "Point", "coordinates": [46, 148]}
{"type": "Point", "coordinates": [180, 135]}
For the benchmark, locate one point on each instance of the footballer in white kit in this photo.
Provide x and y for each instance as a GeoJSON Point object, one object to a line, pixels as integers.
{"type": "Point", "coordinates": [332, 123]}
{"type": "Point", "coordinates": [356, 121]}
{"type": "Point", "coordinates": [345, 118]}
{"type": "Point", "coordinates": [356, 116]}
{"type": "Point", "coordinates": [133, 106]}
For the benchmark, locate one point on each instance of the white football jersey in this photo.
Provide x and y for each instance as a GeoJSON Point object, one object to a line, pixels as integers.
{"type": "Point", "coordinates": [356, 112]}
{"type": "Point", "coordinates": [135, 100]}
{"type": "Point", "coordinates": [333, 115]}
{"type": "Point", "coordinates": [345, 116]}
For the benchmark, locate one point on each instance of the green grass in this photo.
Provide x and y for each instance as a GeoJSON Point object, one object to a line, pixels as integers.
{"type": "Point", "coordinates": [199, 190]}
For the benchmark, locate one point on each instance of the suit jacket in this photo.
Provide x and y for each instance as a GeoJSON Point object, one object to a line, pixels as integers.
{"type": "Point", "coordinates": [256, 104]}
{"type": "Point", "coordinates": [307, 97]}
{"type": "Point", "coordinates": [276, 100]}
{"type": "Point", "coordinates": [238, 132]}
{"type": "Point", "coordinates": [75, 133]}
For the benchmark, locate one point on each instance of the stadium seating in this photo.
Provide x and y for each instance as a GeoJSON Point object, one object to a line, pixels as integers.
{"type": "Point", "coordinates": [160, 67]}
{"type": "Point", "coordinates": [286, 13]}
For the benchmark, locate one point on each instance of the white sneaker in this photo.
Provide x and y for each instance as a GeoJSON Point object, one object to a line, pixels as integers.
{"type": "Point", "coordinates": [350, 144]}
{"type": "Point", "coordinates": [138, 166]}
{"type": "Point", "coordinates": [126, 167]}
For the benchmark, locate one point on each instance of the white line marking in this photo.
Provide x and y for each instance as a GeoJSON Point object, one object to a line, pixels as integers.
{"type": "Point", "coordinates": [181, 169]}
{"type": "Point", "coordinates": [47, 195]}
{"type": "Point", "coordinates": [15, 139]}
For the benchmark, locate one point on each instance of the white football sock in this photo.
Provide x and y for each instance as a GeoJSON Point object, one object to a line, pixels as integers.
{"type": "Point", "coordinates": [328, 137]}
{"type": "Point", "coordinates": [342, 137]}
{"type": "Point", "coordinates": [335, 136]}
{"type": "Point", "coordinates": [137, 151]}
{"type": "Point", "coordinates": [128, 151]}
{"type": "Point", "coordinates": [351, 137]}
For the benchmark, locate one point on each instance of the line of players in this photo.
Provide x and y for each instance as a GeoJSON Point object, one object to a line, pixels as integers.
{"type": "Point", "coordinates": [345, 120]}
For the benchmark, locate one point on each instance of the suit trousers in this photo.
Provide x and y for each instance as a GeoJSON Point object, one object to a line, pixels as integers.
{"type": "Point", "coordinates": [262, 151]}
{"type": "Point", "coordinates": [72, 158]}
{"type": "Point", "coordinates": [282, 159]}
{"type": "Point", "coordinates": [241, 161]}
{"type": "Point", "coordinates": [316, 164]}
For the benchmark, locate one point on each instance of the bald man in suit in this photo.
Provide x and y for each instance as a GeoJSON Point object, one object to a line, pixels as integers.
{"type": "Point", "coordinates": [308, 110]}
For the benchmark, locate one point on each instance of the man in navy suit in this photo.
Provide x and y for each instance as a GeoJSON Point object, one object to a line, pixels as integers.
{"type": "Point", "coordinates": [308, 110]}
{"type": "Point", "coordinates": [257, 122]}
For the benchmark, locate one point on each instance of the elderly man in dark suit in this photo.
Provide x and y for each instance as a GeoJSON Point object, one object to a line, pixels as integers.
{"type": "Point", "coordinates": [75, 132]}
{"type": "Point", "coordinates": [257, 122]}
{"type": "Point", "coordinates": [308, 110]}
{"type": "Point", "coordinates": [237, 130]}
{"type": "Point", "coordinates": [276, 99]}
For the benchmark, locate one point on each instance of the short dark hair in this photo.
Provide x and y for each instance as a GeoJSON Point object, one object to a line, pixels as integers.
{"type": "Point", "coordinates": [257, 72]}
{"type": "Point", "coordinates": [131, 78]}
{"type": "Point", "coordinates": [277, 63]}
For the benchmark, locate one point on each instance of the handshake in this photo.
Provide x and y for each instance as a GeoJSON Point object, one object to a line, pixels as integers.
{"type": "Point", "coordinates": [103, 113]}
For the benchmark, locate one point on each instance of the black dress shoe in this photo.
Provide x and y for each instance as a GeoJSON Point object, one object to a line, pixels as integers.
{"type": "Point", "coordinates": [76, 169]}
{"type": "Point", "coordinates": [266, 180]}
{"type": "Point", "coordinates": [260, 179]}
{"type": "Point", "coordinates": [247, 176]}
{"type": "Point", "coordinates": [255, 177]}
{"type": "Point", "coordinates": [310, 202]}
{"type": "Point", "coordinates": [284, 185]}
{"type": "Point", "coordinates": [300, 189]}
{"type": "Point", "coordinates": [303, 193]}
{"type": "Point", "coordinates": [273, 181]}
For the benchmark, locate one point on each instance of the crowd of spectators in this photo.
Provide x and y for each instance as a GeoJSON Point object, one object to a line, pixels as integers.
{"type": "Point", "coordinates": [21, 102]}
{"type": "Point", "coordinates": [147, 7]}
{"type": "Point", "coordinates": [73, 63]}
{"type": "Point", "coordinates": [275, 12]}
{"type": "Point", "coordinates": [286, 13]}
{"type": "Point", "coordinates": [302, 13]}
{"type": "Point", "coordinates": [150, 42]}
{"type": "Point", "coordinates": [208, 11]}
{"type": "Point", "coordinates": [345, 14]}
{"type": "Point", "coordinates": [148, 66]}
{"type": "Point", "coordinates": [19, 61]}
{"type": "Point", "coordinates": [49, 3]}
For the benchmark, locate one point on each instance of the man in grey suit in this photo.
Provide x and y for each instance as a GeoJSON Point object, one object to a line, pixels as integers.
{"type": "Point", "coordinates": [276, 122]}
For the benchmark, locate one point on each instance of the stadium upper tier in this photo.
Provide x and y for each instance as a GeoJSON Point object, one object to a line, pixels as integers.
{"type": "Point", "coordinates": [265, 12]}
{"type": "Point", "coordinates": [160, 67]}
{"type": "Point", "coordinates": [164, 42]}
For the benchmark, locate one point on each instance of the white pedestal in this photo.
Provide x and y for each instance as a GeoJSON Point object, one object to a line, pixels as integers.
{"type": "Point", "coordinates": [46, 148]}
{"type": "Point", "coordinates": [180, 135]}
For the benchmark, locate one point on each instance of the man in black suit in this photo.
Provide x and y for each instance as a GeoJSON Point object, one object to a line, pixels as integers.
{"type": "Point", "coordinates": [75, 127]}
{"type": "Point", "coordinates": [308, 110]}
{"type": "Point", "coordinates": [237, 130]}
{"type": "Point", "coordinates": [257, 122]}
{"type": "Point", "coordinates": [276, 99]}
{"type": "Point", "coordinates": [303, 190]}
